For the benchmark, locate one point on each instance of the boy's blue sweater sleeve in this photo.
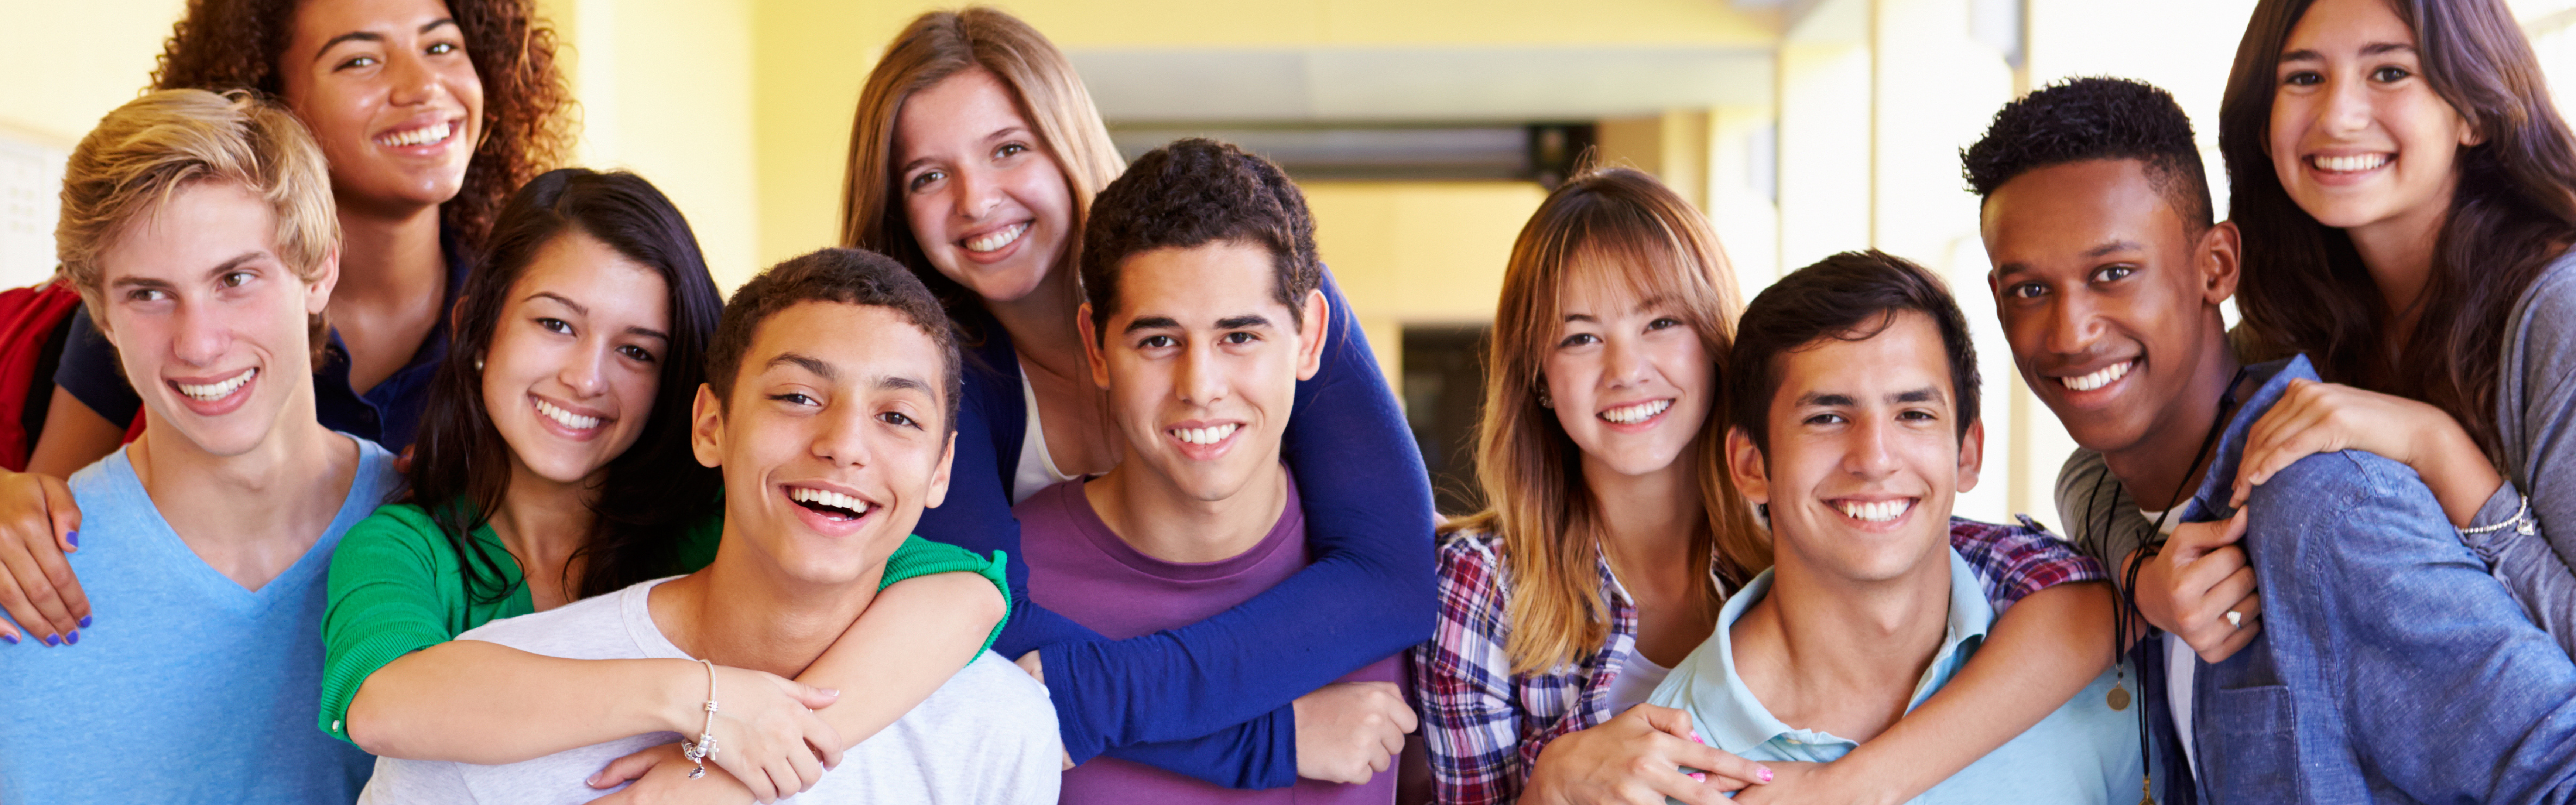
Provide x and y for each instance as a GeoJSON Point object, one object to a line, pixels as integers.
{"type": "Point", "coordinates": [1369, 594]}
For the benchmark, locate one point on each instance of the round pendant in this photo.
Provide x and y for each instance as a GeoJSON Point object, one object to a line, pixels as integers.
{"type": "Point", "coordinates": [2118, 698]}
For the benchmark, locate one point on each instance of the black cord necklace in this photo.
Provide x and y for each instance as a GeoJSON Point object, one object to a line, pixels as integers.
{"type": "Point", "coordinates": [2126, 616]}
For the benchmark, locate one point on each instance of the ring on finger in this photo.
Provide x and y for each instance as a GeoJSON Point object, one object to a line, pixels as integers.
{"type": "Point", "coordinates": [2235, 619]}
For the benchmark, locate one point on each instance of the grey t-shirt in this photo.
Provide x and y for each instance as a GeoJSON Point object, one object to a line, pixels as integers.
{"type": "Point", "coordinates": [988, 735]}
{"type": "Point", "coordinates": [2536, 420]}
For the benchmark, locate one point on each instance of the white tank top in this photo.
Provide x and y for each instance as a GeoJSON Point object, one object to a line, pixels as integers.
{"type": "Point", "coordinates": [1037, 469]}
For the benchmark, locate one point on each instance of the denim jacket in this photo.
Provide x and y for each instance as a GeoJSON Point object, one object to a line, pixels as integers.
{"type": "Point", "coordinates": [2391, 667]}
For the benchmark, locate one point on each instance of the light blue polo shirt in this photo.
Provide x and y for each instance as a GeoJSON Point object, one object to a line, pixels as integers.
{"type": "Point", "coordinates": [2083, 752]}
{"type": "Point", "coordinates": [188, 688]}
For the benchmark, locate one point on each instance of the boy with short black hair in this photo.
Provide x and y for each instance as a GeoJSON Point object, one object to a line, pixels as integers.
{"type": "Point", "coordinates": [2108, 275]}
{"type": "Point", "coordinates": [1203, 314]}
{"type": "Point", "coordinates": [829, 405]}
{"type": "Point", "coordinates": [1852, 402]}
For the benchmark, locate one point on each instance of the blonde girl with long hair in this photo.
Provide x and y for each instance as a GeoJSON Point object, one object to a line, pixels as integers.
{"type": "Point", "coordinates": [1613, 534]}
{"type": "Point", "coordinates": [974, 156]}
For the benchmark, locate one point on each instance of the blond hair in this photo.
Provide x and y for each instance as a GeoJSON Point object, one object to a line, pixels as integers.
{"type": "Point", "coordinates": [1042, 83]}
{"type": "Point", "coordinates": [146, 151]}
{"type": "Point", "coordinates": [1631, 224]}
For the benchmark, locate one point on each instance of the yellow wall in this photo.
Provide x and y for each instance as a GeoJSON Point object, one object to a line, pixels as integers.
{"type": "Point", "coordinates": [1418, 253]}
{"type": "Point", "coordinates": [64, 65]}
{"type": "Point", "coordinates": [665, 92]}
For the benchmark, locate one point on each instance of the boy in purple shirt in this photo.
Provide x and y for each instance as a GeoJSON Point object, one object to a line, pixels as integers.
{"type": "Point", "coordinates": [1202, 314]}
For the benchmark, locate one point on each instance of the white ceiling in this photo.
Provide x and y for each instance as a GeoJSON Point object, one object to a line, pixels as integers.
{"type": "Point", "coordinates": [1492, 84]}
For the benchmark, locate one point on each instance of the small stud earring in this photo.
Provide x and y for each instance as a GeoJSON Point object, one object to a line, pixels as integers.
{"type": "Point", "coordinates": [478, 364]}
{"type": "Point", "coordinates": [1543, 401]}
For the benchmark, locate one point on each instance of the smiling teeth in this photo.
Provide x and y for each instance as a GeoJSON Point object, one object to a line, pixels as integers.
{"type": "Point", "coordinates": [1204, 436]}
{"type": "Point", "coordinates": [1878, 512]}
{"type": "Point", "coordinates": [821, 497]}
{"type": "Point", "coordinates": [211, 392]}
{"type": "Point", "coordinates": [997, 240]}
{"type": "Point", "coordinates": [2100, 378]}
{"type": "Point", "coordinates": [1630, 414]}
{"type": "Point", "coordinates": [420, 136]}
{"type": "Point", "coordinates": [566, 418]}
{"type": "Point", "coordinates": [2350, 164]}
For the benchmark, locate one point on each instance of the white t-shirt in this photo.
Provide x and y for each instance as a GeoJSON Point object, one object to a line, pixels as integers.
{"type": "Point", "coordinates": [1636, 680]}
{"type": "Point", "coordinates": [2181, 663]}
{"type": "Point", "coordinates": [988, 735]}
{"type": "Point", "coordinates": [1635, 676]}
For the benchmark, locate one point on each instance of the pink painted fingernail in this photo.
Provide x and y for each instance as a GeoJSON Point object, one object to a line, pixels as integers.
{"type": "Point", "coordinates": [1766, 774]}
{"type": "Point", "coordinates": [1700, 776]}
{"type": "Point", "coordinates": [1696, 739]}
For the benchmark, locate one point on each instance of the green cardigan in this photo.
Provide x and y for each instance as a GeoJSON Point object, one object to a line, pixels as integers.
{"type": "Point", "coordinates": [395, 589]}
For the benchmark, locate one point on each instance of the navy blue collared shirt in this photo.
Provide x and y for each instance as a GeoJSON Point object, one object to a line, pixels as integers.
{"type": "Point", "coordinates": [388, 414]}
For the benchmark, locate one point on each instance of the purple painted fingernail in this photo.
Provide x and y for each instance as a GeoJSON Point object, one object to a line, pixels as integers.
{"type": "Point", "coordinates": [72, 537]}
{"type": "Point", "coordinates": [53, 640]}
{"type": "Point", "coordinates": [84, 621]}
{"type": "Point", "coordinates": [72, 638]}
{"type": "Point", "coordinates": [13, 639]}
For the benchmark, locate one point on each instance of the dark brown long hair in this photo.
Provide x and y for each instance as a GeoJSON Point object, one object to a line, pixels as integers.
{"type": "Point", "coordinates": [229, 44]}
{"type": "Point", "coordinates": [2513, 211]}
{"type": "Point", "coordinates": [653, 491]}
{"type": "Point", "coordinates": [1549, 523]}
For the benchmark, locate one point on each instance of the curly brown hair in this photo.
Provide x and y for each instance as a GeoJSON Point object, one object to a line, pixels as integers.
{"type": "Point", "coordinates": [227, 44]}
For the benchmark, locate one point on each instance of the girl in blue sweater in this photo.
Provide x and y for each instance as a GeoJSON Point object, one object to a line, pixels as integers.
{"type": "Point", "coordinates": [973, 159]}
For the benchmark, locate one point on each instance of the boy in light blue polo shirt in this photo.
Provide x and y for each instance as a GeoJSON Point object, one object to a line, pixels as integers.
{"type": "Point", "coordinates": [1852, 402]}
{"type": "Point", "coordinates": [199, 230]}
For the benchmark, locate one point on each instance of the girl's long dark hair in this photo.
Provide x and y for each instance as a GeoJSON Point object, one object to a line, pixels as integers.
{"type": "Point", "coordinates": [652, 492]}
{"type": "Point", "coordinates": [2513, 211]}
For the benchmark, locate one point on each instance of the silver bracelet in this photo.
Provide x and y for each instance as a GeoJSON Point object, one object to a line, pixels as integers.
{"type": "Point", "coordinates": [697, 751]}
{"type": "Point", "coordinates": [2521, 518]}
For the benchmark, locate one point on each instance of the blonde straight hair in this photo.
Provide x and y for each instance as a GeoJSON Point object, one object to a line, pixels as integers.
{"type": "Point", "coordinates": [1043, 85]}
{"type": "Point", "coordinates": [147, 150]}
{"type": "Point", "coordinates": [1660, 245]}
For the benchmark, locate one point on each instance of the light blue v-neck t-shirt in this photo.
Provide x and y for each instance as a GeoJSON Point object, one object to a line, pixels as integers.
{"type": "Point", "coordinates": [187, 688]}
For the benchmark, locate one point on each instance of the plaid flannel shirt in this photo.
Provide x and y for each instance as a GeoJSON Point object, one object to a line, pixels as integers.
{"type": "Point", "coordinates": [1486, 725]}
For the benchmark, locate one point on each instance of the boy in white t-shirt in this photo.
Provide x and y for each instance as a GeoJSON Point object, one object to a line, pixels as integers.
{"type": "Point", "coordinates": [830, 406]}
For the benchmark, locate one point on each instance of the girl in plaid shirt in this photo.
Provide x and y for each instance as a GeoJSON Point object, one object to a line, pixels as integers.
{"type": "Point", "coordinates": [1613, 535]}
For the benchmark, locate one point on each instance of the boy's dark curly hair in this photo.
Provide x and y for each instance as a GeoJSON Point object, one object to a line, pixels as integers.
{"type": "Point", "coordinates": [1191, 193]}
{"type": "Point", "coordinates": [2095, 118]}
{"type": "Point", "coordinates": [228, 44]}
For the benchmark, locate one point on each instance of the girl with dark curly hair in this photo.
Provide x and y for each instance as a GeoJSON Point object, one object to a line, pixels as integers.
{"type": "Point", "coordinates": [430, 113]}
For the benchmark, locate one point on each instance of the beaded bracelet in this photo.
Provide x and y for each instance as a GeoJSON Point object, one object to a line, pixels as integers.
{"type": "Point", "coordinates": [2521, 518]}
{"type": "Point", "coordinates": [697, 751]}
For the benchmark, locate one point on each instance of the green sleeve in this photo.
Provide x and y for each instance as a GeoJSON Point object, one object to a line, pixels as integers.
{"type": "Point", "coordinates": [921, 557]}
{"type": "Point", "coordinates": [385, 601]}
{"type": "Point", "coordinates": [697, 547]}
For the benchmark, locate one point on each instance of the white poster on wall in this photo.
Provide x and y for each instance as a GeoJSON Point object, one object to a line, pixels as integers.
{"type": "Point", "coordinates": [31, 181]}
